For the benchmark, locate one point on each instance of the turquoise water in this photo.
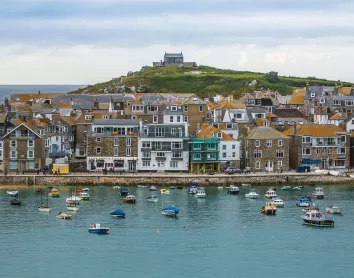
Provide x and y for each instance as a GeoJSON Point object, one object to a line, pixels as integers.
{"type": "Point", "coordinates": [220, 236]}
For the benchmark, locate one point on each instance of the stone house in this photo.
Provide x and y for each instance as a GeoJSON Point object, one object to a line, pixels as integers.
{"type": "Point", "coordinates": [194, 113]}
{"type": "Point", "coordinates": [174, 59]}
{"type": "Point", "coordinates": [265, 149]}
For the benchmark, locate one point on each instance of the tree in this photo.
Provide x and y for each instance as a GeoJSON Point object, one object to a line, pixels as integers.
{"type": "Point", "coordinates": [272, 77]}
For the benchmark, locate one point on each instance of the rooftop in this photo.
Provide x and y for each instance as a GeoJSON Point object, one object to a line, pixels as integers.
{"type": "Point", "coordinates": [116, 122]}
{"type": "Point", "coordinates": [265, 132]}
{"type": "Point", "coordinates": [316, 130]}
{"type": "Point", "coordinates": [209, 131]}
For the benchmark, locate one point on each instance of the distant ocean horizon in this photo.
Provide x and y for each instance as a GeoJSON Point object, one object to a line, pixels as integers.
{"type": "Point", "coordinates": [7, 90]}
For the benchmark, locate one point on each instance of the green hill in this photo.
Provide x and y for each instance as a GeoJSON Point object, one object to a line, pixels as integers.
{"type": "Point", "coordinates": [203, 81]}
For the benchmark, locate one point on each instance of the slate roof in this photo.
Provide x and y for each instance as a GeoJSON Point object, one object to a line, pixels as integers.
{"type": "Point", "coordinates": [174, 55]}
{"type": "Point", "coordinates": [289, 113]}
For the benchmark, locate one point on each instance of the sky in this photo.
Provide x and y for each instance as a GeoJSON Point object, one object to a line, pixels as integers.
{"type": "Point", "coordinates": [90, 41]}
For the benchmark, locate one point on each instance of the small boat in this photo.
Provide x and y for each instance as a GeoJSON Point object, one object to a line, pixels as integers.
{"type": "Point", "coordinates": [245, 185]}
{"type": "Point", "coordinates": [152, 198]}
{"type": "Point", "coordinates": [38, 189]}
{"type": "Point", "coordinates": [286, 188]}
{"type": "Point", "coordinates": [72, 207]}
{"type": "Point", "coordinates": [304, 202]}
{"type": "Point", "coordinates": [15, 202]}
{"type": "Point", "coordinates": [116, 187]}
{"type": "Point", "coordinates": [124, 191]}
{"type": "Point", "coordinates": [62, 215]}
{"type": "Point", "coordinates": [252, 194]}
{"type": "Point", "coordinates": [278, 202]}
{"type": "Point", "coordinates": [78, 192]}
{"type": "Point", "coordinates": [335, 210]}
{"type": "Point", "coordinates": [234, 190]}
{"type": "Point", "coordinates": [269, 209]}
{"type": "Point", "coordinates": [220, 187]}
{"type": "Point", "coordinates": [85, 189]}
{"type": "Point", "coordinates": [152, 188]}
{"type": "Point", "coordinates": [164, 191]}
{"type": "Point", "coordinates": [301, 186]}
{"type": "Point", "coordinates": [101, 186]}
{"type": "Point", "coordinates": [310, 209]}
{"type": "Point", "coordinates": [316, 218]}
{"type": "Point", "coordinates": [12, 193]}
{"type": "Point", "coordinates": [193, 189]}
{"type": "Point", "coordinates": [118, 213]}
{"type": "Point", "coordinates": [45, 207]}
{"type": "Point", "coordinates": [73, 199]}
{"type": "Point", "coordinates": [170, 210]}
{"type": "Point", "coordinates": [97, 229]}
{"type": "Point", "coordinates": [173, 187]}
{"type": "Point", "coordinates": [83, 196]}
{"type": "Point", "coordinates": [270, 194]}
{"type": "Point", "coordinates": [54, 193]}
{"type": "Point", "coordinates": [318, 193]}
{"type": "Point", "coordinates": [130, 199]}
{"type": "Point", "coordinates": [200, 193]}
{"type": "Point", "coordinates": [296, 188]}
{"type": "Point", "coordinates": [334, 173]}
{"type": "Point", "coordinates": [142, 186]}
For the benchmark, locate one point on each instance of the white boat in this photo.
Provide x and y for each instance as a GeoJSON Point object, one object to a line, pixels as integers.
{"type": "Point", "coordinates": [45, 207]}
{"type": "Point", "coordinates": [12, 193]}
{"type": "Point", "coordinates": [286, 188]}
{"type": "Point", "coordinates": [334, 173]}
{"type": "Point", "coordinates": [200, 193]}
{"type": "Point", "coordinates": [72, 207]}
{"type": "Point", "coordinates": [336, 209]}
{"type": "Point", "coordinates": [85, 189]}
{"type": "Point", "coordinates": [152, 198]}
{"type": "Point", "coordinates": [316, 218]}
{"type": "Point", "coordinates": [278, 202]}
{"type": "Point", "coordinates": [322, 172]}
{"type": "Point", "coordinates": [233, 190]}
{"type": "Point", "coordinates": [252, 194]}
{"type": "Point", "coordinates": [73, 199]}
{"type": "Point", "coordinates": [116, 187]}
{"type": "Point", "coordinates": [296, 188]}
{"type": "Point", "coordinates": [152, 188]}
{"type": "Point", "coordinates": [245, 185]}
{"type": "Point", "coordinates": [142, 186]}
{"type": "Point", "coordinates": [193, 189]}
{"type": "Point", "coordinates": [220, 187]}
{"type": "Point", "coordinates": [318, 193]}
{"type": "Point", "coordinates": [270, 194]}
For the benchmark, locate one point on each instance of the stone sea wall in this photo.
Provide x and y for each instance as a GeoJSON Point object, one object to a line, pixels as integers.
{"type": "Point", "coordinates": [162, 180]}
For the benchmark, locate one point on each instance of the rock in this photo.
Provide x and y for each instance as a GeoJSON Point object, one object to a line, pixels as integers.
{"type": "Point", "coordinates": [144, 68]}
{"type": "Point", "coordinates": [130, 73]}
{"type": "Point", "coordinates": [141, 89]}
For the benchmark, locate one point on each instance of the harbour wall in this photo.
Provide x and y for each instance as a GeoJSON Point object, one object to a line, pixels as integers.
{"type": "Point", "coordinates": [183, 179]}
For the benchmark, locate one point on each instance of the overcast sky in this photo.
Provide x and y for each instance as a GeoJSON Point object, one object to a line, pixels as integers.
{"type": "Point", "coordinates": [90, 41]}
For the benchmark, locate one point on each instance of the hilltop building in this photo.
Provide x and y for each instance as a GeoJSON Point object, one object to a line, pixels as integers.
{"type": "Point", "coordinates": [172, 60]}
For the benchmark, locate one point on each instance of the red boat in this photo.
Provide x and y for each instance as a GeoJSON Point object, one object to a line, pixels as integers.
{"type": "Point", "coordinates": [130, 199]}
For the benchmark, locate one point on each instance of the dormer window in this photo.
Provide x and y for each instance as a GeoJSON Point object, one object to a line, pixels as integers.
{"type": "Point", "coordinates": [313, 94]}
{"type": "Point", "coordinates": [105, 117]}
{"type": "Point", "coordinates": [88, 117]}
{"type": "Point", "coordinates": [219, 135]}
{"type": "Point", "coordinates": [322, 100]}
{"type": "Point", "coordinates": [173, 108]}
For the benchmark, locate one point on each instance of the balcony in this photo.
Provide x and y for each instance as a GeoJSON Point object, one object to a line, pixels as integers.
{"type": "Point", "coordinates": [161, 158]}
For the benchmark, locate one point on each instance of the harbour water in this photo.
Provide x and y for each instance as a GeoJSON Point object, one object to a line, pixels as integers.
{"type": "Point", "coordinates": [219, 236]}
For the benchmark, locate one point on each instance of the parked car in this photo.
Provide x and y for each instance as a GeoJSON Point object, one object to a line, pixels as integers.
{"type": "Point", "coordinates": [231, 170]}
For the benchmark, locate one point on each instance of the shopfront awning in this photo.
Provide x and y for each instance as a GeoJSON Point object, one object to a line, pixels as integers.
{"type": "Point", "coordinates": [310, 161]}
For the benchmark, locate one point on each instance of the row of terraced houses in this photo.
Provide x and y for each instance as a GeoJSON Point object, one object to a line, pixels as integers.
{"type": "Point", "coordinates": [262, 131]}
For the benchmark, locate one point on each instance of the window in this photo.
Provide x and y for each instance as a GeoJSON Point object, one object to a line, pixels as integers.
{"type": "Point", "coordinates": [313, 94]}
{"type": "Point", "coordinates": [178, 119]}
{"type": "Point", "coordinates": [157, 145]}
{"type": "Point", "coordinates": [269, 143]}
{"type": "Point", "coordinates": [128, 141]}
{"type": "Point", "coordinates": [146, 144]}
{"type": "Point", "coordinates": [30, 154]}
{"type": "Point", "coordinates": [60, 130]}
{"type": "Point", "coordinates": [128, 151]}
{"type": "Point", "coordinates": [173, 131]}
{"type": "Point", "coordinates": [342, 138]}
{"type": "Point", "coordinates": [115, 151]}
{"type": "Point", "coordinates": [1, 153]}
{"type": "Point", "coordinates": [318, 150]}
{"type": "Point", "coordinates": [173, 164]}
{"type": "Point", "coordinates": [160, 164]}
{"type": "Point", "coordinates": [322, 100]}
{"type": "Point", "coordinates": [30, 143]}
{"type": "Point", "coordinates": [233, 154]}
{"type": "Point", "coordinates": [306, 151]}
{"type": "Point", "coordinates": [105, 117]}
{"type": "Point", "coordinates": [118, 163]}
{"type": "Point", "coordinates": [176, 145]}
{"type": "Point", "coordinates": [130, 130]}
{"type": "Point", "coordinates": [280, 164]}
{"type": "Point", "coordinates": [116, 141]}
{"type": "Point", "coordinates": [228, 125]}
{"type": "Point", "coordinates": [177, 155]}
{"type": "Point", "coordinates": [146, 163]}
{"type": "Point", "coordinates": [234, 147]}
{"type": "Point", "coordinates": [280, 143]}
{"type": "Point", "coordinates": [159, 131]}
{"type": "Point", "coordinates": [197, 156]}
{"type": "Point", "coordinates": [98, 139]}
{"type": "Point", "coordinates": [238, 116]}
{"type": "Point", "coordinates": [171, 119]}
{"type": "Point", "coordinates": [200, 108]}
{"type": "Point", "coordinates": [98, 150]}
{"type": "Point", "coordinates": [197, 146]}
{"type": "Point", "coordinates": [71, 138]}
{"type": "Point", "coordinates": [219, 135]}
{"type": "Point", "coordinates": [258, 143]}
{"type": "Point", "coordinates": [173, 108]}
{"type": "Point", "coordinates": [223, 155]}
{"type": "Point", "coordinates": [13, 154]}
{"type": "Point", "coordinates": [121, 130]}
{"type": "Point", "coordinates": [13, 143]}
{"type": "Point", "coordinates": [258, 154]}
{"type": "Point", "coordinates": [185, 119]}
{"type": "Point", "coordinates": [100, 163]}
{"type": "Point", "coordinates": [82, 152]}
{"type": "Point", "coordinates": [265, 123]}
{"type": "Point", "coordinates": [98, 130]}
{"type": "Point", "coordinates": [180, 132]}
{"type": "Point", "coordinates": [146, 155]}
{"type": "Point", "coordinates": [337, 102]}
{"type": "Point", "coordinates": [340, 150]}
{"type": "Point", "coordinates": [224, 147]}
{"type": "Point", "coordinates": [153, 108]}
{"type": "Point", "coordinates": [155, 119]}
{"type": "Point", "coordinates": [280, 153]}
{"type": "Point", "coordinates": [160, 154]}
{"type": "Point", "coordinates": [258, 165]}
{"type": "Point", "coordinates": [88, 117]}
{"type": "Point", "coordinates": [13, 165]}
{"type": "Point", "coordinates": [31, 165]}
{"type": "Point", "coordinates": [306, 139]}
{"type": "Point", "coordinates": [0, 144]}
{"type": "Point", "coordinates": [185, 108]}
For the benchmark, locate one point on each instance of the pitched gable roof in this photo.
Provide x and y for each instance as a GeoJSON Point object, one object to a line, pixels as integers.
{"type": "Point", "coordinates": [315, 130]}
{"type": "Point", "coordinates": [27, 125]}
{"type": "Point", "coordinates": [207, 130]}
{"type": "Point", "coordinates": [298, 96]}
{"type": "Point", "coordinates": [265, 132]}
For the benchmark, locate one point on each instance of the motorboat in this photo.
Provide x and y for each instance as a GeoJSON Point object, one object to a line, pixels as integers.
{"type": "Point", "coordinates": [173, 187]}
{"type": "Point", "coordinates": [309, 209]}
{"type": "Point", "coordinates": [164, 191]}
{"type": "Point", "coordinates": [170, 210]}
{"type": "Point", "coordinates": [252, 194]}
{"type": "Point", "coordinates": [45, 209]}
{"type": "Point", "coordinates": [296, 188]}
{"type": "Point", "coordinates": [118, 213]}
{"type": "Point", "coordinates": [12, 193]}
{"type": "Point", "coordinates": [83, 196]}
{"type": "Point", "coordinates": [200, 193]}
{"type": "Point", "coordinates": [269, 209]}
{"type": "Point", "coordinates": [73, 200]}
{"type": "Point", "coordinates": [278, 202]}
{"type": "Point", "coordinates": [286, 188]}
{"type": "Point", "coordinates": [336, 209]}
{"type": "Point", "coordinates": [130, 199]}
{"type": "Point", "coordinates": [62, 215]}
{"type": "Point", "coordinates": [142, 186]}
{"type": "Point", "coordinates": [233, 190]}
{"type": "Point", "coordinates": [15, 202]}
{"type": "Point", "coordinates": [85, 189]}
{"type": "Point", "coordinates": [316, 218]}
{"type": "Point", "coordinates": [270, 194]}
{"type": "Point", "coordinates": [193, 189]}
{"type": "Point", "coordinates": [304, 202]}
{"type": "Point", "coordinates": [124, 191]}
{"type": "Point", "coordinates": [152, 188]}
{"type": "Point", "coordinates": [245, 185]}
{"type": "Point", "coordinates": [72, 207]}
{"type": "Point", "coordinates": [318, 194]}
{"type": "Point", "coordinates": [54, 193]}
{"type": "Point", "coordinates": [97, 229]}
{"type": "Point", "coordinates": [220, 187]}
{"type": "Point", "coordinates": [116, 187]}
{"type": "Point", "coordinates": [152, 198]}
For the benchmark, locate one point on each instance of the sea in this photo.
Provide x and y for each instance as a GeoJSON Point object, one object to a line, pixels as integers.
{"type": "Point", "coordinates": [220, 236]}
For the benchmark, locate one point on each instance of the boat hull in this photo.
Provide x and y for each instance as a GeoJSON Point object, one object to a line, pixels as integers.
{"type": "Point", "coordinates": [43, 209]}
{"type": "Point", "coordinates": [124, 194]}
{"type": "Point", "coordinates": [117, 216]}
{"type": "Point", "coordinates": [319, 196]}
{"type": "Point", "coordinates": [101, 231]}
{"type": "Point", "coordinates": [319, 223]}
{"type": "Point", "coordinates": [72, 208]}
{"type": "Point", "coordinates": [169, 213]}
{"type": "Point", "coordinates": [129, 201]}
{"type": "Point", "coordinates": [269, 211]}
{"type": "Point", "coordinates": [200, 196]}
{"type": "Point", "coordinates": [232, 192]}
{"type": "Point", "coordinates": [334, 210]}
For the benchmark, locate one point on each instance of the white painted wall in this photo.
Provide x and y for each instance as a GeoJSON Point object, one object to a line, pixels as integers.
{"type": "Point", "coordinates": [350, 125]}
{"type": "Point", "coordinates": [232, 147]}
{"type": "Point", "coordinates": [166, 119]}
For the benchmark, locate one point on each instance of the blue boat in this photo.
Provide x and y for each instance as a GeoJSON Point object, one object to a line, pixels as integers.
{"type": "Point", "coordinates": [118, 213]}
{"type": "Point", "coordinates": [193, 189]}
{"type": "Point", "coordinates": [170, 210]}
{"type": "Point", "coordinates": [124, 191]}
{"type": "Point", "coordinates": [304, 202]}
{"type": "Point", "coordinates": [97, 229]}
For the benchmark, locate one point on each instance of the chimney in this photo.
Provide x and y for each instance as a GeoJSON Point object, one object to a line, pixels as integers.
{"type": "Point", "coordinates": [294, 128]}
{"type": "Point", "coordinates": [246, 131]}
{"type": "Point", "coordinates": [95, 104]}
{"type": "Point", "coordinates": [72, 102]}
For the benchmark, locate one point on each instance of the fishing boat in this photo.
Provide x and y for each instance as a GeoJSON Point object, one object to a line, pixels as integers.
{"type": "Point", "coordinates": [118, 213]}
{"type": "Point", "coordinates": [97, 229]}
{"type": "Point", "coordinates": [269, 209]}
{"type": "Point", "coordinates": [142, 186]}
{"type": "Point", "coordinates": [85, 189]}
{"type": "Point", "coordinates": [270, 194]}
{"type": "Point", "coordinates": [130, 199]}
{"type": "Point", "coordinates": [193, 189]}
{"type": "Point", "coordinates": [286, 188]}
{"type": "Point", "coordinates": [164, 191]}
{"type": "Point", "coordinates": [73, 199]}
{"type": "Point", "coordinates": [316, 218]}
{"type": "Point", "coordinates": [54, 193]}
{"type": "Point", "coordinates": [318, 194]}
{"type": "Point", "coordinates": [12, 193]}
{"type": "Point", "coordinates": [152, 198]}
{"type": "Point", "coordinates": [304, 202]}
{"type": "Point", "coordinates": [252, 194]}
{"type": "Point", "coordinates": [200, 193]}
{"type": "Point", "coordinates": [336, 209]}
{"type": "Point", "coordinates": [15, 202]}
{"type": "Point", "coordinates": [124, 191]}
{"type": "Point", "coordinates": [62, 215]}
{"type": "Point", "coordinates": [170, 210]}
{"type": "Point", "coordinates": [45, 207]}
{"type": "Point", "coordinates": [83, 196]}
{"type": "Point", "coordinates": [152, 188]}
{"type": "Point", "coordinates": [278, 202]}
{"type": "Point", "coordinates": [234, 190]}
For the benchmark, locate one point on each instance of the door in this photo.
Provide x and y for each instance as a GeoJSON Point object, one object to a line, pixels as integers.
{"type": "Point", "coordinates": [131, 166]}
{"type": "Point", "coordinates": [23, 165]}
{"type": "Point", "coordinates": [270, 166]}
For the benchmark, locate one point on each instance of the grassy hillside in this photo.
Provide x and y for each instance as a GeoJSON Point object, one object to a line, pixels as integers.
{"type": "Point", "coordinates": [209, 82]}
